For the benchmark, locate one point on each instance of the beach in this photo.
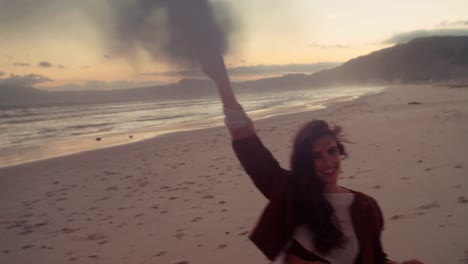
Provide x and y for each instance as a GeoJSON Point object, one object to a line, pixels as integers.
{"type": "Point", "coordinates": [183, 197]}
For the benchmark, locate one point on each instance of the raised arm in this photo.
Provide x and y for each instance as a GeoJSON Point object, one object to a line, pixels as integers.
{"type": "Point", "coordinates": [257, 160]}
{"type": "Point", "coordinates": [237, 121]}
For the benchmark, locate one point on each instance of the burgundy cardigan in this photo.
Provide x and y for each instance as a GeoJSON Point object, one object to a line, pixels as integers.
{"type": "Point", "coordinates": [276, 225]}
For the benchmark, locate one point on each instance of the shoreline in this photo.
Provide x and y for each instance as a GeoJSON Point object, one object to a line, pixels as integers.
{"type": "Point", "coordinates": [184, 197]}
{"type": "Point", "coordinates": [68, 147]}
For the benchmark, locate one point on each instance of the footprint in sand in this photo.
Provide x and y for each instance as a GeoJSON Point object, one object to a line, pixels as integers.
{"type": "Point", "coordinates": [69, 230]}
{"type": "Point", "coordinates": [222, 246]}
{"type": "Point", "coordinates": [243, 233]}
{"type": "Point", "coordinates": [110, 173]}
{"type": "Point", "coordinates": [401, 216]}
{"type": "Point", "coordinates": [462, 199]}
{"type": "Point", "coordinates": [196, 219]}
{"type": "Point", "coordinates": [95, 236]}
{"type": "Point", "coordinates": [41, 224]}
{"type": "Point", "coordinates": [25, 232]}
{"type": "Point", "coordinates": [26, 215]}
{"type": "Point", "coordinates": [397, 217]}
{"type": "Point", "coordinates": [429, 206]}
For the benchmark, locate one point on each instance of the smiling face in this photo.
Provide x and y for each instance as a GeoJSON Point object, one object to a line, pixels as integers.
{"type": "Point", "coordinates": [327, 160]}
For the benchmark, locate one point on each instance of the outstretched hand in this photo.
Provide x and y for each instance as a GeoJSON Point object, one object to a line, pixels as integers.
{"type": "Point", "coordinates": [213, 66]}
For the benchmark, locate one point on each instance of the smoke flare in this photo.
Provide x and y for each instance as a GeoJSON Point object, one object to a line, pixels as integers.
{"type": "Point", "coordinates": [179, 30]}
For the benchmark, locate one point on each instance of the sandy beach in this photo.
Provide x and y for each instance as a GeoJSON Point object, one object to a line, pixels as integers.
{"type": "Point", "coordinates": [183, 198]}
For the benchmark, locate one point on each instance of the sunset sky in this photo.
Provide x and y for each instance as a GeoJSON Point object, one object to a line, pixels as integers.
{"type": "Point", "coordinates": [59, 44]}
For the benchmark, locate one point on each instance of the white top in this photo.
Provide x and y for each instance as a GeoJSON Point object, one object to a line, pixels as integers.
{"type": "Point", "coordinates": [341, 202]}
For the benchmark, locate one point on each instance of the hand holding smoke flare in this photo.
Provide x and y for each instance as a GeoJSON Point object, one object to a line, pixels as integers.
{"type": "Point", "coordinates": [180, 31]}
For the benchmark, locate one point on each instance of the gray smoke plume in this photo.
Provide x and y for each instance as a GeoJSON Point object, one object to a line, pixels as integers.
{"type": "Point", "coordinates": [171, 30]}
{"type": "Point", "coordinates": [180, 31]}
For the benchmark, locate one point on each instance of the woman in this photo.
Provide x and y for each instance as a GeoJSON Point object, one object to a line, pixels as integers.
{"type": "Point", "coordinates": [309, 216]}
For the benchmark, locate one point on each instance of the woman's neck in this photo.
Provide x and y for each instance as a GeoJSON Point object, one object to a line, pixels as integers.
{"type": "Point", "coordinates": [333, 188]}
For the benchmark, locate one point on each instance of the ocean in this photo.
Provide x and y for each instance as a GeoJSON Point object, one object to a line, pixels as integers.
{"type": "Point", "coordinates": [34, 133]}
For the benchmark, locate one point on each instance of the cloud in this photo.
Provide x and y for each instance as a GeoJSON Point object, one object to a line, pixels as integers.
{"type": "Point", "coordinates": [100, 85]}
{"type": "Point", "coordinates": [32, 79]}
{"type": "Point", "coordinates": [185, 73]}
{"type": "Point", "coordinates": [44, 64]}
{"type": "Point", "coordinates": [281, 68]}
{"type": "Point", "coordinates": [455, 23]}
{"type": "Point", "coordinates": [21, 64]}
{"type": "Point", "coordinates": [257, 70]}
{"type": "Point", "coordinates": [408, 36]}
{"type": "Point", "coordinates": [24, 80]}
{"type": "Point", "coordinates": [322, 46]}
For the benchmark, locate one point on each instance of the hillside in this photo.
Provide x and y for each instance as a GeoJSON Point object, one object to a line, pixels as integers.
{"type": "Point", "coordinates": [420, 60]}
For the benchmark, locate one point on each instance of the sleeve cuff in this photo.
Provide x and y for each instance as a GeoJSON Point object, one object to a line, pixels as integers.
{"type": "Point", "coordinates": [236, 118]}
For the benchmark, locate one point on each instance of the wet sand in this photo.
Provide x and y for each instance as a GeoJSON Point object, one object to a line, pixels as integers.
{"type": "Point", "coordinates": [183, 198]}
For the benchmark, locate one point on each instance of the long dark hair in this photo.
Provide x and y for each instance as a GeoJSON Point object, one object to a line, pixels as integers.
{"type": "Point", "coordinates": [311, 208]}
